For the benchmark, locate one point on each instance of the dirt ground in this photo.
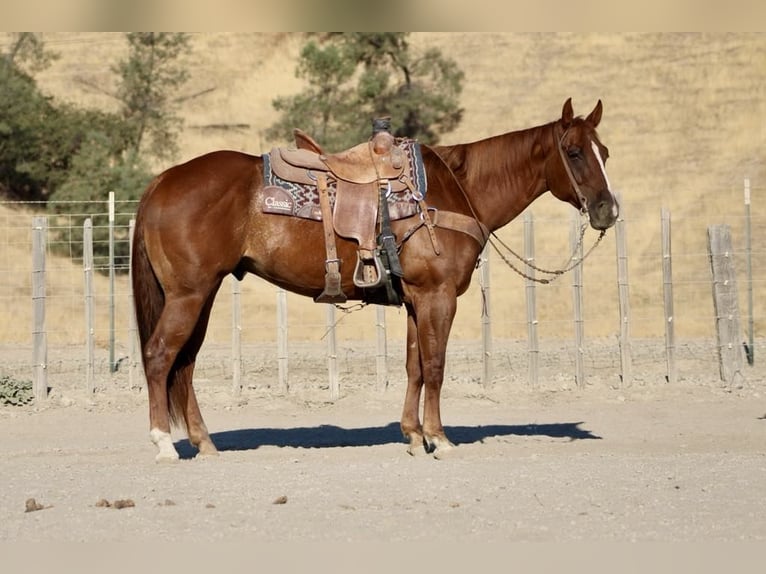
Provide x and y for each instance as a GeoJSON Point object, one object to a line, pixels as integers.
{"type": "Point", "coordinates": [649, 461]}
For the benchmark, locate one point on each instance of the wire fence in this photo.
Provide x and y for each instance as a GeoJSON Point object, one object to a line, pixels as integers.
{"type": "Point", "coordinates": [258, 334]}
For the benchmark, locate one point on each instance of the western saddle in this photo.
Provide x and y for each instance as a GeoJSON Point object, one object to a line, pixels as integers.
{"type": "Point", "coordinates": [363, 177]}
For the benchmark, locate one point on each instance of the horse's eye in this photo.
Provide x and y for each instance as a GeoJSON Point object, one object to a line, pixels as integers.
{"type": "Point", "coordinates": [574, 152]}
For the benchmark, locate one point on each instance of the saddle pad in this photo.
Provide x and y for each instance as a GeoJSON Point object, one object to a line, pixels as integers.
{"type": "Point", "coordinates": [302, 199]}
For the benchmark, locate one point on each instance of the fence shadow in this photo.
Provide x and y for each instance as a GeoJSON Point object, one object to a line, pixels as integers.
{"type": "Point", "coordinates": [328, 436]}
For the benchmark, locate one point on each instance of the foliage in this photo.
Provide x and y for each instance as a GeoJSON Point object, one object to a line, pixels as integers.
{"type": "Point", "coordinates": [14, 392]}
{"type": "Point", "coordinates": [94, 172]}
{"type": "Point", "coordinates": [355, 77]}
{"type": "Point", "coordinates": [37, 139]}
{"type": "Point", "coordinates": [27, 52]}
{"type": "Point", "coordinates": [77, 156]}
{"type": "Point", "coordinates": [148, 78]}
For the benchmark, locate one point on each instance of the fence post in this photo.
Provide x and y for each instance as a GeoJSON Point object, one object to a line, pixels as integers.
{"type": "Point", "coordinates": [39, 336]}
{"type": "Point", "coordinates": [332, 353]}
{"type": "Point", "coordinates": [529, 257]}
{"type": "Point", "coordinates": [87, 262]}
{"type": "Point", "coordinates": [624, 297]}
{"type": "Point", "coordinates": [282, 340]}
{"type": "Point", "coordinates": [112, 362]}
{"type": "Point", "coordinates": [725, 303]}
{"type": "Point", "coordinates": [667, 295]}
{"type": "Point", "coordinates": [236, 336]}
{"type": "Point", "coordinates": [133, 346]}
{"type": "Point", "coordinates": [748, 256]}
{"type": "Point", "coordinates": [381, 356]}
{"type": "Point", "coordinates": [486, 320]}
{"type": "Point", "coordinates": [577, 298]}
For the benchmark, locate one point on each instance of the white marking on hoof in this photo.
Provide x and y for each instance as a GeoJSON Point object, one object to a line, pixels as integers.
{"type": "Point", "coordinates": [167, 452]}
{"type": "Point", "coordinates": [442, 447]}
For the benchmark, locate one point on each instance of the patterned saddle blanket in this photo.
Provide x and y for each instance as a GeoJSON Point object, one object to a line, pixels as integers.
{"type": "Point", "coordinates": [290, 180]}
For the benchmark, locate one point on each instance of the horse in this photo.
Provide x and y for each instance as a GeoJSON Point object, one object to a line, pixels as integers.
{"type": "Point", "coordinates": [201, 220]}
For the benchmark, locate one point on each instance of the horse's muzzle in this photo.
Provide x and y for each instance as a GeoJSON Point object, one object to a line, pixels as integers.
{"type": "Point", "coordinates": [603, 214]}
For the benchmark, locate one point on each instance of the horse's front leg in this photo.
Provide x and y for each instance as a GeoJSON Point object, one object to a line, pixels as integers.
{"type": "Point", "coordinates": [410, 423]}
{"type": "Point", "coordinates": [429, 325]}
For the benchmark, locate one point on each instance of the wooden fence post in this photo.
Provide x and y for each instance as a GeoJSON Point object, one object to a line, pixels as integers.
{"type": "Point", "coordinates": [282, 340]}
{"type": "Point", "coordinates": [486, 321]}
{"type": "Point", "coordinates": [577, 298]}
{"type": "Point", "coordinates": [624, 297]}
{"type": "Point", "coordinates": [112, 361]}
{"type": "Point", "coordinates": [725, 303]}
{"type": "Point", "coordinates": [39, 336]}
{"type": "Point", "coordinates": [750, 351]}
{"type": "Point", "coordinates": [332, 354]}
{"type": "Point", "coordinates": [667, 295]}
{"type": "Point", "coordinates": [236, 335]}
{"type": "Point", "coordinates": [532, 342]}
{"type": "Point", "coordinates": [381, 354]}
{"type": "Point", "coordinates": [90, 344]}
{"type": "Point", "coordinates": [134, 353]}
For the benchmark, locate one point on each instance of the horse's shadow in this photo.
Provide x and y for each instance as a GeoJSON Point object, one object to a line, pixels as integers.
{"type": "Point", "coordinates": [327, 436]}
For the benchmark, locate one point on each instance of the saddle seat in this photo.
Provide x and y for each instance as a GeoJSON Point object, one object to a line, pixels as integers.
{"type": "Point", "coordinates": [359, 164]}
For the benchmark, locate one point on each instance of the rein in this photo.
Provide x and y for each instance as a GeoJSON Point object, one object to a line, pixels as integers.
{"type": "Point", "coordinates": [555, 273]}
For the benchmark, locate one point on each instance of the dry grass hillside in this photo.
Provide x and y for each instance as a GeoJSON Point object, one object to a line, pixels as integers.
{"type": "Point", "coordinates": [684, 118]}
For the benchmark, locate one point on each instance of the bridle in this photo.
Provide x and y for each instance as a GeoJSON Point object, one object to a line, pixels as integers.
{"type": "Point", "coordinates": [568, 168]}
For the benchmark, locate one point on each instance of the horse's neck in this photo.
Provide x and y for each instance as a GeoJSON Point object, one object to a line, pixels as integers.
{"type": "Point", "coordinates": [502, 175]}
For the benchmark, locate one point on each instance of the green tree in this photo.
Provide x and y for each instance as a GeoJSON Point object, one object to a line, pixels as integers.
{"type": "Point", "coordinates": [355, 77]}
{"type": "Point", "coordinates": [27, 52]}
{"type": "Point", "coordinates": [38, 138]}
{"type": "Point", "coordinates": [95, 171]}
{"type": "Point", "coordinates": [149, 78]}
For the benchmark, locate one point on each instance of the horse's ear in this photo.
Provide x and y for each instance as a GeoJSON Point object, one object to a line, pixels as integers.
{"type": "Point", "coordinates": [567, 114]}
{"type": "Point", "coordinates": [595, 116]}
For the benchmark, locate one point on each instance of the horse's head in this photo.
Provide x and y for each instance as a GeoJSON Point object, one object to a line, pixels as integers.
{"type": "Point", "coordinates": [576, 171]}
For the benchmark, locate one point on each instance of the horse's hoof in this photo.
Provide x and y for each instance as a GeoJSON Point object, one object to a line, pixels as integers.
{"type": "Point", "coordinates": [416, 446]}
{"type": "Point", "coordinates": [206, 451]}
{"type": "Point", "coordinates": [166, 451]}
{"type": "Point", "coordinates": [442, 448]}
{"type": "Point", "coordinates": [166, 458]}
{"type": "Point", "coordinates": [415, 450]}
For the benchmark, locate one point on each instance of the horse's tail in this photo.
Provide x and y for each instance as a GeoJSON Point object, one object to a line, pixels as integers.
{"type": "Point", "coordinates": [149, 301]}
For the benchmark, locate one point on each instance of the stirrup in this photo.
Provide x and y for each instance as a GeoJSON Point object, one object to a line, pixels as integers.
{"type": "Point", "coordinates": [369, 273]}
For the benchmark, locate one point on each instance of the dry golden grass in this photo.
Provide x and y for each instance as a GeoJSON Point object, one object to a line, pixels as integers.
{"type": "Point", "coordinates": [683, 118]}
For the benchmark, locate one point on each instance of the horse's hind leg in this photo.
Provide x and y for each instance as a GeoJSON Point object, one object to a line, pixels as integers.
{"type": "Point", "coordinates": [183, 387]}
{"type": "Point", "coordinates": [177, 323]}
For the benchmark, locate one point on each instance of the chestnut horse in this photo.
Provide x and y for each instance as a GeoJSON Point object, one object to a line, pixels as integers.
{"type": "Point", "coordinates": [201, 220]}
